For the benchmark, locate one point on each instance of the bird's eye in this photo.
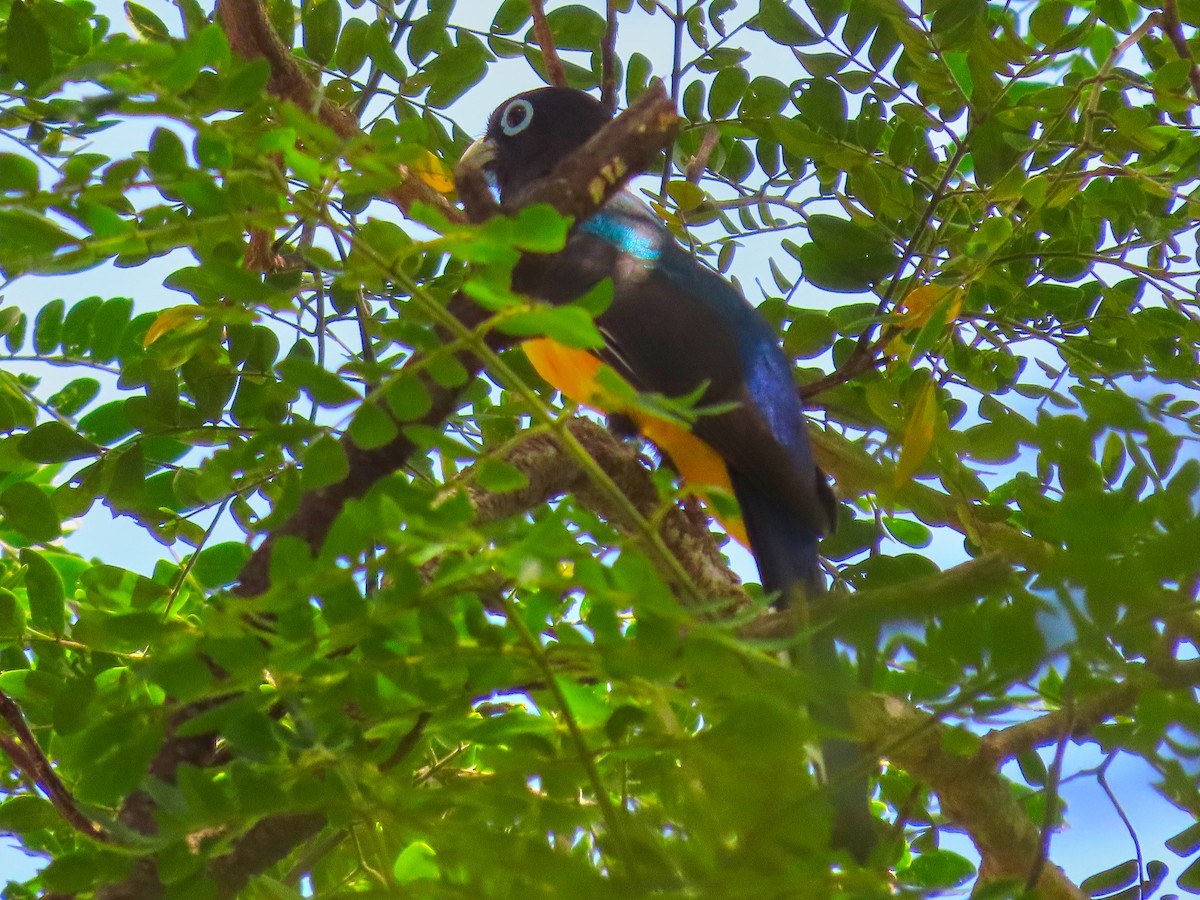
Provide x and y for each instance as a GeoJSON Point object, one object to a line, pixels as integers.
{"type": "Point", "coordinates": [517, 117]}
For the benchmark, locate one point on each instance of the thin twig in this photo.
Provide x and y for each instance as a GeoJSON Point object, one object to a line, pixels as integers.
{"type": "Point", "coordinates": [541, 31]}
{"type": "Point", "coordinates": [699, 162]}
{"type": "Point", "coordinates": [676, 82]}
{"type": "Point", "coordinates": [376, 76]}
{"type": "Point", "coordinates": [1052, 804]}
{"type": "Point", "coordinates": [1102, 780]}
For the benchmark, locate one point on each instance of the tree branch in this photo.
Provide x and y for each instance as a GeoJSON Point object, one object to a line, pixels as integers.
{"type": "Point", "coordinates": [911, 601]}
{"type": "Point", "coordinates": [251, 36]}
{"type": "Point", "coordinates": [608, 59]}
{"type": "Point", "coordinates": [1000, 746]}
{"type": "Point", "coordinates": [581, 183]}
{"type": "Point", "coordinates": [541, 32]}
{"type": "Point", "coordinates": [576, 187]}
{"type": "Point", "coordinates": [26, 754]}
{"type": "Point", "coordinates": [551, 473]}
{"type": "Point", "coordinates": [265, 843]}
{"type": "Point", "coordinates": [1168, 19]}
{"type": "Point", "coordinates": [972, 793]}
{"type": "Point", "coordinates": [856, 473]}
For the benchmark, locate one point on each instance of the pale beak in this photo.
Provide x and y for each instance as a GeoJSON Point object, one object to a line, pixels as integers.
{"type": "Point", "coordinates": [480, 155]}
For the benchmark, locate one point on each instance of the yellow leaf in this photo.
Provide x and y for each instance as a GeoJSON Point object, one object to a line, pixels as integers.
{"type": "Point", "coordinates": [919, 305]}
{"type": "Point", "coordinates": [431, 170]}
{"type": "Point", "coordinates": [169, 319]}
{"type": "Point", "coordinates": [918, 435]}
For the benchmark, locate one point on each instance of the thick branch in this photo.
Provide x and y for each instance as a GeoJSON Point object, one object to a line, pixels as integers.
{"type": "Point", "coordinates": [267, 842]}
{"type": "Point", "coordinates": [973, 795]}
{"type": "Point", "coordinates": [1000, 746]}
{"type": "Point", "coordinates": [552, 473]}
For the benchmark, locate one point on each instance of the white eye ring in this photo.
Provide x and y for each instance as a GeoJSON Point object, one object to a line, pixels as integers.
{"type": "Point", "coordinates": [516, 118]}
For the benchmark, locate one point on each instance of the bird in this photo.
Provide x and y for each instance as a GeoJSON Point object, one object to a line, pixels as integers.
{"type": "Point", "coordinates": [679, 329]}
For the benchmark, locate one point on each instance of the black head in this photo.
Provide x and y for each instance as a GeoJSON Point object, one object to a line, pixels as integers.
{"type": "Point", "coordinates": [530, 133]}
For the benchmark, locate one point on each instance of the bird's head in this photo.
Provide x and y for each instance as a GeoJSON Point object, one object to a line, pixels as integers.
{"type": "Point", "coordinates": [530, 133]}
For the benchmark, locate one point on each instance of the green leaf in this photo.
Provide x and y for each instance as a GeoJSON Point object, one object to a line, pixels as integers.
{"type": "Point", "coordinates": [29, 510]}
{"type": "Point", "coordinates": [106, 424]}
{"type": "Point", "coordinates": [67, 27]}
{"type": "Point", "coordinates": [14, 338]}
{"type": "Point", "coordinates": [352, 46]}
{"type": "Point", "coordinates": [569, 325]}
{"type": "Point", "coordinates": [823, 103]}
{"type": "Point", "coordinates": [75, 396]}
{"type": "Point", "coordinates": [1049, 20]}
{"type": "Point", "coordinates": [781, 24]}
{"type": "Point", "coordinates": [44, 587]}
{"type": "Point", "coordinates": [29, 241]}
{"type": "Point", "coordinates": [168, 158]}
{"type": "Point", "coordinates": [325, 463]}
{"type": "Point", "coordinates": [540, 229]}
{"type": "Point", "coordinates": [849, 276]}
{"type": "Point", "coordinates": [321, 20]}
{"type": "Point", "coordinates": [908, 532]}
{"type": "Point", "coordinates": [511, 15]}
{"type": "Point", "coordinates": [1033, 768]}
{"type": "Point", "coordinates": [416, 862]}
{"type": "Point", "coordinates": [10, 318]}
{"type": "Point", "coordinates": [108, 327]}
{"type": "Point", "coordinates": [148, 25]}
{"type": "Point", "coordinates": [727, 91]}
{"type": "Point", "coordinates": [383, 55]}
{"type": "Point", "coordinates": [27, 812]}
{"type": "Point", "coordinates": [407, 398]}
{"type": "Point", "coordinates": [28, 46]}
{"type": "Point", "coordinates": [575, 27]}
{"type": "Point", "coordinates": [940, 869]}
{"type": "Point", "coordinates": [499, 476]}
{"type": "Point", "coordinates": [77, 325]}
{"type": "Point", "coordinates": [18, 174]}
{"type": "Point", "coordinates": [48, 327]}
{"type": "Point", "coordinates": [54, 442]}
{"type": "Point", "coordinates": [1189, 879]}
{"type": "Point", "coordinates": [372, 427]}
{"type": "Point", "coordinates": [220, 564]}
{"type": "Point", "coordinates": [1114, 13]}
{"type": "Point", "coordinates": [1186, 842]}
{"type": "Point", "coordinates": [1113, 879]}
{"type": "Point", "coordinates": [324, 387]}
{"type": "Point", "coordinates": [847, 239]}
{"type": "Point", "coordinates": [956, 20]}
{"type": "Point", "coordinates": [12, 628]}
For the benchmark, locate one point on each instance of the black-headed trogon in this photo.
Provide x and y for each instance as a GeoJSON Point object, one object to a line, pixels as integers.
{"type": "Point", "coordinates": [675, 327]}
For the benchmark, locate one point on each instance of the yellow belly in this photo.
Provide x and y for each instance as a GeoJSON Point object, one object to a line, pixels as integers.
{"type": "Point", "coordinates": [574, 371]}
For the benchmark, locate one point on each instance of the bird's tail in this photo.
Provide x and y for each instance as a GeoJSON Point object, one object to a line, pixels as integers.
{"type": "Point", "coordinates": [785, 549]}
